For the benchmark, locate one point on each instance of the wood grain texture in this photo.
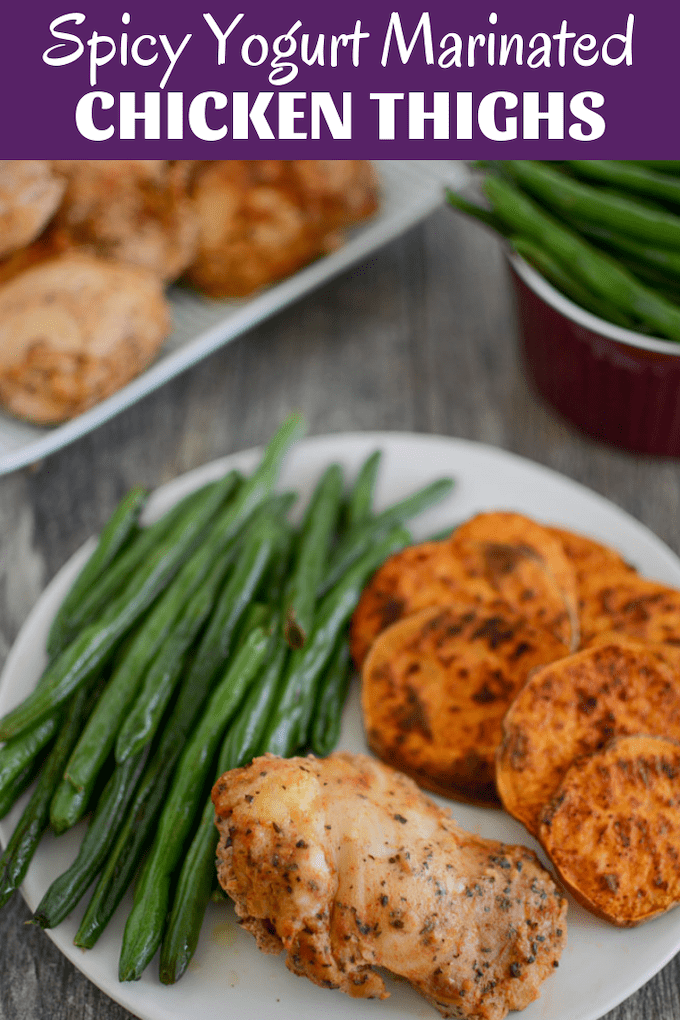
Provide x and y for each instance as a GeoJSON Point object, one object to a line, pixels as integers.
{"type": "Point", "coordinates": [419, 337]}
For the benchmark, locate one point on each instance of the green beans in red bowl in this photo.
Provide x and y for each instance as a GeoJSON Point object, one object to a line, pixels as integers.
{"type": "Point", "coordinates": [594, 255]}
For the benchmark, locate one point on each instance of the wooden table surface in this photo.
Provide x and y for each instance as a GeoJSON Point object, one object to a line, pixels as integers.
{"type": "Point", "coordinates": [420, 337]}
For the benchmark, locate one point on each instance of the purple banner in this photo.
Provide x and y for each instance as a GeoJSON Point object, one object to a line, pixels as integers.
{"type": "Point", "coordinates": [303, 79]}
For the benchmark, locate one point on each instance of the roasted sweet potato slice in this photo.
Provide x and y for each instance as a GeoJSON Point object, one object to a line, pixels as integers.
{"type": "Point", "coordinates": [420, 576]}
{"type": "Point", "coordinates": [589, 557]}
{"type": "Point", "coordinates": [575, 706]}
{"type": "Point", "coordinates": [613, 829]}
{"type": "Point", "coordinates": [494, 555]}
{"type": "Point", "coordinates": [613, 596]}
{"type": "Point", "coordinates": [630, 605]}
{"type": "Point", "coordinates": [513, 552]}
{"type": "Point", "coordinates": [435, 687]}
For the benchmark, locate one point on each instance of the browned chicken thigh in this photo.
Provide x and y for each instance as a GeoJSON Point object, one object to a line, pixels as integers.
{"type": "Point", "coordinates": [72, 330]}
{"type": "Point", "coordinates": [126, 210]}
{"type": "Point", "coordinates": [346, 866]}
{"type": "Point", "coordinates": [30, 193]}
{"type": "Point", "coordinates": [260, 220]}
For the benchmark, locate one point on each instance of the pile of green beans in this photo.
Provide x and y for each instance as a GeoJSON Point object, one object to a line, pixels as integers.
{"type": "Point", "coordinates": [606, 233]}
{"type": "Point", "coordinates": [186, 648]}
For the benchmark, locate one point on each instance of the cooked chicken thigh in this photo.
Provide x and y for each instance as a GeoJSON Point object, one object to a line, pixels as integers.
{"type": "Point", "coordinates": [346, 865]}
{"type": "Point", "coordinates": [29, 196]}
{"type": "Point", "coordinates": [134, 211]}
{"type": "Point", "coordinates": [74, 329]}
{"type": "Point", "coordinates": [262, 219]}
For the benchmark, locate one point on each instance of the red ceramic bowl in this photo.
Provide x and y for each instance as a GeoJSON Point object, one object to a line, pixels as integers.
{"type": "Point", "coordinates": [619, 386]}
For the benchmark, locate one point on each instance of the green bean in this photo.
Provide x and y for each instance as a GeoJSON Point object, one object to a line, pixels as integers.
{"type": "Point", "coordinates": [288, 727]}
{"type": "Point", "coordinates": [94, 646]}
{"type": "Point", "coordinates": [136, 833]}
{"type": "Point", "coordinates": [566, 196]}
{"type": "Point", "coordinates": [246, 733]}
{"type": "Point", "coordinates": [662, 260]}
{"type": "Point", "coordinates": [20, 783]}
{"type": "Point", "coordinates": [102, 727]}
{"type": "Point", "coordinates": [193, 887]}
{"type": "Point", "coordinates": [311, 556]}
{"type": "Point", "coordinates": [140, 822]}
{"type": "Point", "coordinates": [477, 212]}
{"type": "Point", "coordinates": [256, 488]}
{"type": "Point", "coordinates": [606, 277]}
{"type": "Point", "coordinates": [361, 538]}
{"type": "Point", "coordinates": [248, 572]}
{"type": "Point", "coordinates": [116, 533]}
{"type": "Point", "coordinates": [151, 652]}
{"type": "Point", "coordinates": [360, 502]}
{"type": "Point", "coordinates": [24, 840]}
{"type": "Point", "coordinates": [647, 275]}
{"type": "Point", "coordinates": [273, 583]}
{"type": "Point", "coordinates": [118, 577]}
{"type": "Point", "coordinates": [66, 890]}
{"type": "Point", "coordinates": [32, 740]}
{"type": "Point", "coordinates": [144, 928]}
{"type": "Point", "coordinates": [258, 549]}
{"type": "Point", "coordinates": [130, 844]}
{"type": "Point", "coordinates": [640, 200]}
{"type": "Point", "coordinates": [662, 284]}
{"type": "Point", "coordinates": [19, 752]}
{"type": "Point", "coordinates": [330, 700]}
{"type": "Point", "coordinates": [161, 678]}
{"type": "Point", "coordinates": [278, 505]}
{"type": "Point", "coordinates": [148, 643]}
{"type": "Point", "coordinates": [246, 736]}
{"type": "Point", "coordinates": [190, 899]}
{"type": "Point", "coordinates": [68, 806]}
{"type": "Point", "coordinates": [160, 682]}
{"type": "Point", "coordinates": [157, 648]}
{"type": "Point", "coordinates": [557, 274]}
{"type": "Point", "coordinates": [639, 180]}
{"type": "Point", "coordinates": [670, 166]}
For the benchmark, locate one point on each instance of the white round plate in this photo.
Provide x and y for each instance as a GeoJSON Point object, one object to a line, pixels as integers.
{"type": "Point", "coordinates": [601, 966]}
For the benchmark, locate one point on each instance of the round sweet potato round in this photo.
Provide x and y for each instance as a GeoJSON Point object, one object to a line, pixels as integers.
{"type": "Point", "coordinates": [630, 605]}
{"type": "Point", "coordinates": [575, 706]}
{"type": "Point", "coordinates": [612, 829]}
{"type": "Point", "coordinates": [525, 564]}
{"type": "Point", "coordinates": [420, 576]}
{"type": "Point", "coordinates": [589, 557]}
{"type": "Point", "coordinates": [435, 687]}
{"type": "Point", "coordinates": [493, 555]}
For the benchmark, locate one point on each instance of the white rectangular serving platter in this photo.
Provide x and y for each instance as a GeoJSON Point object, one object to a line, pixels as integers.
{"type": "Point", "coordinates": [410, 191]}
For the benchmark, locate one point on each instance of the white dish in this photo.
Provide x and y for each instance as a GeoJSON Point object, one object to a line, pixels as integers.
{"type": "Point", "coordinates": [410, 191]}
{"type": "Point", "coordinates": [601, 966]}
